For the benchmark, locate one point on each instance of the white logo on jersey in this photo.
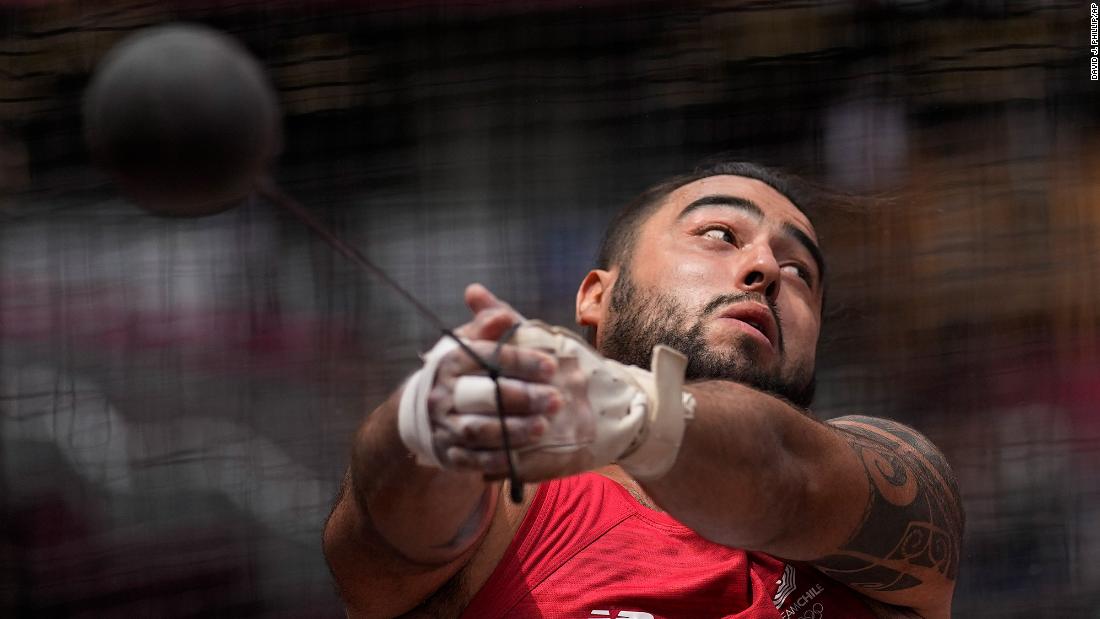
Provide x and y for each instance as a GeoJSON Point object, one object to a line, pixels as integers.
{"type": "Point", "coordinates": [623, 614]}
{"type": "Point", "coordinates": [786, 586]}
{"type": "Point", "coordinates": [797, 605]}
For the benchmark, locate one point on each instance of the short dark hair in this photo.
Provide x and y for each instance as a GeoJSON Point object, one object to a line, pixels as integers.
{"type": "Point", "coordinates": [622, 233]}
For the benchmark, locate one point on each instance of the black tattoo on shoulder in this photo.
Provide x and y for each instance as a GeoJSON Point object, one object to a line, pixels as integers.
{"type": "Point", "coordinates": [913, 523]}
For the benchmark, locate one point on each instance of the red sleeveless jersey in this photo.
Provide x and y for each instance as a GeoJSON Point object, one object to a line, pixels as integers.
{"type": "Point", "coordinates": [588, 550]}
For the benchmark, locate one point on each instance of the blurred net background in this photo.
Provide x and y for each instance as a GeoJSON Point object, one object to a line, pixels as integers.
{"type": "Point", "coordinates": [177, 396]}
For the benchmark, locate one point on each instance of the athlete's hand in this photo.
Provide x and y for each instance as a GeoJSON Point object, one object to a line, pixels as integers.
{"type": "Point", "coordinates": [566, 408]}
{"type": "Point", "coordinates": [544, 401]}
{"type": "Point", "coordinates": [472, 439]}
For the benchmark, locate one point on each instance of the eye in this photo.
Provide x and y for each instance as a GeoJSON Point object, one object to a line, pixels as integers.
{"type": "Point", "coordinates": [719, 233]}
{"type": "Point", "coordinates": [800, 272]}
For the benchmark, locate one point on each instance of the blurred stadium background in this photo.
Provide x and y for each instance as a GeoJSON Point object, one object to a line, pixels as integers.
{"type": "Point", "coordinates": [177, 396]}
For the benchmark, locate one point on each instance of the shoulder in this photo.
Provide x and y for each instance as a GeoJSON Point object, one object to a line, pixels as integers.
{"type": "Point", "coordinates": [907, 548]}
{"type": "Point", "coordinates": [898, 457]}
{"type": "Point", "coordinates": [887, 432]}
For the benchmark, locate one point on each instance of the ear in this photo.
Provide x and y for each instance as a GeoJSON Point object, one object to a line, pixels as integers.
{"type": "Point", "coordinates": [593, 297]}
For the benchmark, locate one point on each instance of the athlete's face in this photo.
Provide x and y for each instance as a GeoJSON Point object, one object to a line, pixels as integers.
{"type": "Point", "coordinates": [727, 271]}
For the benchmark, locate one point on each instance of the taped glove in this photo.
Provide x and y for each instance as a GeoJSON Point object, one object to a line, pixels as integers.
{"type": "Point", "coordinates": [612, 412]}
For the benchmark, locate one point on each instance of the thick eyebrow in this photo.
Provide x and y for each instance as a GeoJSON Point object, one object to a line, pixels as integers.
{"type": "Point", "coordinates": [735, 202]}
{"type": "Point", "coordinates": [750, 207]}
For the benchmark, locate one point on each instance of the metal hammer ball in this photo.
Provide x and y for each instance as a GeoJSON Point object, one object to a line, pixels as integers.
{"type": "Point", "coordinates": [183, 118]}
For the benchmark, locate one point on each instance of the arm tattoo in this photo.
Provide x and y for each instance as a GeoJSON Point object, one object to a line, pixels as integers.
{"type": "Point", "coordinates": [913, 522]}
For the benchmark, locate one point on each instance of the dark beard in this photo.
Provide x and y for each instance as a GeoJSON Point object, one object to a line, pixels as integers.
{"type": "Point", "coordinates": [636, 323]}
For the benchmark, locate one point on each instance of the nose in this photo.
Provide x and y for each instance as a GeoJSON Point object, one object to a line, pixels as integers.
{"type": "Point", "coordinates": [758, 271]}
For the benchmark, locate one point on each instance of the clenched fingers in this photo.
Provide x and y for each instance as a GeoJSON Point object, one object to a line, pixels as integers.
{"type": "Point", "coordinates": [532, 463]}
{"type": "Point", "coordinates": [517, 398]}
{"type": "Point", "coordinates": [488, 462]}
{"type": "Point", "coordinates": [525, 364]}
{"type": "Point", "coordinates": [478, 394]}
{"type": "Point", "coordinates": [480, 432]}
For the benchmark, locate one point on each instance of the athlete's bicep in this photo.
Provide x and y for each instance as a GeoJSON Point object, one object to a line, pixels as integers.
{"type": "Point", "coordinates": [905, 549]}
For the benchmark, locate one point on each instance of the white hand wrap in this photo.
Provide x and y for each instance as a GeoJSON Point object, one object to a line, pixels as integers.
{"type": "Point", "coordinates": [612, 412]}
{"type": "Point", "coordinates": [638, 415]}
{"type": "Point", "coordinates": [414, 422]}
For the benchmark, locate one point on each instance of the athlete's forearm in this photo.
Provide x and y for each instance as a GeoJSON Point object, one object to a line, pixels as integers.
{"type": "Point", "coordinates": [423, 514]}
{"type": "Point", "coordinates": [755, 472]}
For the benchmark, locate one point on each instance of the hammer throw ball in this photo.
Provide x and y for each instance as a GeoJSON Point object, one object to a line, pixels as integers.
{"type": "Point", "coordinates": [184, 118]}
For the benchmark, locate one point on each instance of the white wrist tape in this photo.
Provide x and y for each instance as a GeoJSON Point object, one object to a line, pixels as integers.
{"type": "Point", "coordinates": [414, 422]}
{"type": "Point", "coordinates": [670, 408]}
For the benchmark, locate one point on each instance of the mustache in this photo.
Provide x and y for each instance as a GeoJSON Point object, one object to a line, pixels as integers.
{"type": "Point", "coordinates": [740, 297]}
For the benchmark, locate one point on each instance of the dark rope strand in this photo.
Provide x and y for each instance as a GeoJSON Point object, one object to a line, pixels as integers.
{"type": "Point", "coordinates": [267, 188]}
{"type": "Point", "coordinates": [515, 487]}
